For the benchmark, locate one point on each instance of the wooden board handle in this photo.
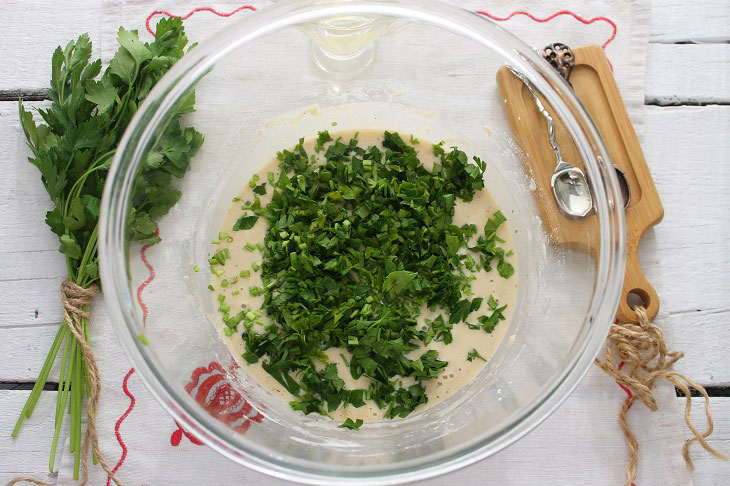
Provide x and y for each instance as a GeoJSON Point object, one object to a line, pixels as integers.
{"type": "Point", "coordinates": [643, 292]}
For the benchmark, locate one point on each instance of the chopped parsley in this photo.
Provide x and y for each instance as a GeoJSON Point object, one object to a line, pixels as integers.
{"type": "Point", "coordinates": [358, 240]}
{"type": "Point", "coordinates": [349, 424]}
{"type": "Point", "coordinates": [474, 354]}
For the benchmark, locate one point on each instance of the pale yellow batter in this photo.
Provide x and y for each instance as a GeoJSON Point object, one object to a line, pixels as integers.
{"type": "Point", "coordinates": [458, 372]}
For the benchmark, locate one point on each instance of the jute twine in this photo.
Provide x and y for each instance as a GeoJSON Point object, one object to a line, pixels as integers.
{"type": "Point", "coordinates": [75, 299]}
{"type": "Point", "coordinates": [637, 357]}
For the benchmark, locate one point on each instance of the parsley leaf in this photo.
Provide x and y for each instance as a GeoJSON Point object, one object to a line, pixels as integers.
{"type": "Point", "coordinates": [349, 424]}
{"type": "Point", "coordinates": [397, 281]}
{"type": "Point", "coordinates": [506, 270]}
{"type": "Point", "coordinates": [245, 222]}
{"type": "Point", "coordinates": [474, 354]}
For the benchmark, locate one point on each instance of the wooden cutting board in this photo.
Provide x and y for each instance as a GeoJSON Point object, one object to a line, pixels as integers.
{"type": "Point", "coordinates": [593, 82]}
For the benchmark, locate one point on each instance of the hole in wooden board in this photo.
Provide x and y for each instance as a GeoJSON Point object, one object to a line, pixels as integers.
{"type": "Point", "coordinates": [624, 185]}
{"type": "Point", "coordinates": [588, 86]}
{"type": "Point", "coordinates": [638, 297]}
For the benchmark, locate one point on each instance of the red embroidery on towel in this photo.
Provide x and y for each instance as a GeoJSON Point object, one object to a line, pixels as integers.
{"type": "Point", "coordinates": [209, 387]}
{"type": "Point", "coordinates": [132, 401]}
{"type": "Point", "coordinates": [117, 433]}
{"type": "Point", "coordinates": [143, 255]}
{"type": "Point", "coordinates": [193, 11]}
{"type": "Point", "coordinates": [177, 436]}
{"type": "Point", "coordinates": [556, 14]}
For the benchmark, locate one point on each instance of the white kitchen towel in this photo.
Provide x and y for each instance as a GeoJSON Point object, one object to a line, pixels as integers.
{"type": "Point", "coordinates": [580, 443]}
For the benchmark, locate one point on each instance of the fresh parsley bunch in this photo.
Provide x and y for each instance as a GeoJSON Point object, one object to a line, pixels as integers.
{"type": "Point", "coordinates": [73, 150]}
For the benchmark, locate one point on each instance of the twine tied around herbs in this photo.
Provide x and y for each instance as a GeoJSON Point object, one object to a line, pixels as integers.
{"type": "Point", "coordinates": [75, 299]}
{"type": "Point", "coordinates": [643, 359]}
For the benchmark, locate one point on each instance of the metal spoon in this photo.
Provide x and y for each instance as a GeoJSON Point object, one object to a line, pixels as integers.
{"type": "Point", "coordinates": [569, 184]}
{"type": "Point", "coordinates": [562, 59]}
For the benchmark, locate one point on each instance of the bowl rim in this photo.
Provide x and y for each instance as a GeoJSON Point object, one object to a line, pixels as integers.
{"type": "Point", "coordinates": [193, 66]}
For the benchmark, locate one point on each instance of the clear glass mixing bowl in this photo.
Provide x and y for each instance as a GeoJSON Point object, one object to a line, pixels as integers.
{"type": "Point", "coordinates": [421, 67]}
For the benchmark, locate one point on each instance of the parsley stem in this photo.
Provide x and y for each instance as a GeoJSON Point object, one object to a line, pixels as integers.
{"type": "Point", "coordinates": [62, 399]}
{"type": "Point", "coordinates": [77, 390]}
{"type": "Point", "coordinates": [62, 375]}
{"type": "Point", "coordinates": [90, 250]}
{"type": "Point", "coordinates": [70, 269]}
{"type": "Point", "coordinates": [41, 381]}
{"type": "Point", "coordinates": [79, 183]}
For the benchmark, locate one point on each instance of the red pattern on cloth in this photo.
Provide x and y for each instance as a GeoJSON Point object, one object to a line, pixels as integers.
{"type": "Point", "coordinates": [193, 11]}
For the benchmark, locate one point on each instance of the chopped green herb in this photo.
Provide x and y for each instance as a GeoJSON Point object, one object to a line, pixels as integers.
{"type": "Point", "coordinates": [355, 245]}
{"type": "Point", "coordinates": [505, 269]}
{"type": "Point", "coordinates": [244, 273]}
{"type": "Point", "coordinates": [245, 222]}
{"type": "Point", "coordinates": [474, 354]}
{"type": "Point", "coordinates": [220, 257]}
{"type": "Point", "coordinates": [196, 268]}
{"type": "Point", "coordinates": [349, 424]}
{"type": "Point", "coordinates": [323, 138]}
{"type": "Point", "coordinates": [438, 149]}
{"type": "Point", "coordinates": [143, 339]}
{"type": "Point", "coordinates": [492, 303]}
{"type": "Point", "coordinates": [488, 323]}
{"type": "Point", "coordinates": [255, 291]}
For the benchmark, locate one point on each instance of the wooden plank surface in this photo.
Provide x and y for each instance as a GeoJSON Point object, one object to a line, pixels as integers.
{"type": "Point", "coordinates": [28, 454]}
{"type": "Point", "coordinates": [688, 151]}
{"type": "Point", "coordinates": [36, 27]}
{"type": "Point", "coordinates": [682, 21]}
{"type": "Point", "coordinates": [686, 73]}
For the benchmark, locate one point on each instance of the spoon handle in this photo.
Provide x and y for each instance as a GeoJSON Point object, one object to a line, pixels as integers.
{"type": "Point", "coordinates": [545, 113]}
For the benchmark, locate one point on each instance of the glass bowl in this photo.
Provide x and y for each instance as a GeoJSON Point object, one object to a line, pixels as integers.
{"type": "Point", "coordinates": [426, 68]}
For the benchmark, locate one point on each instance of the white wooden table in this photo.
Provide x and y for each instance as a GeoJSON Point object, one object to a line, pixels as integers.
{"type": "Point", "coordinates": [686, 142]}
